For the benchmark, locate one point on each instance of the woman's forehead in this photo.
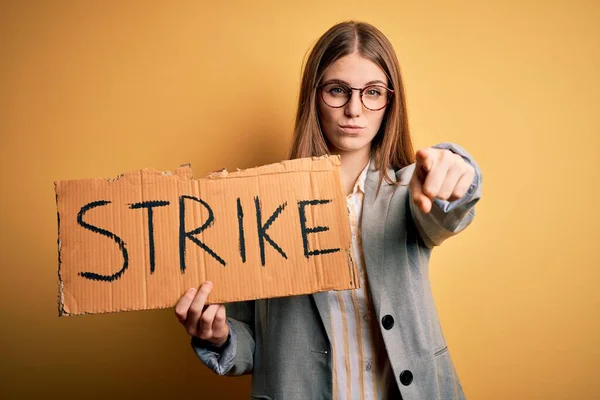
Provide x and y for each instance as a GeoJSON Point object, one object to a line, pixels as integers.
{"type": "Point", "coordinates": [355, 70]}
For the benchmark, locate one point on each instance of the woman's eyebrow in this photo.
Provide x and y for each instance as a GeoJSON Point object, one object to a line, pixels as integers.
{"type": "Point", "coordinates": [376, 81]}
{"type": "Point", "coordinates": [336, 81]}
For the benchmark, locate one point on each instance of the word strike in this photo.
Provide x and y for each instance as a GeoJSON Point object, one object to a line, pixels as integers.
{"type": "Point", "coordinates": [190, 235]}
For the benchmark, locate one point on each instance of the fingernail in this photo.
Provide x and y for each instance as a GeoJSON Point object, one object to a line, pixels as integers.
{"type": "Point", "coordinates": [191, 290]}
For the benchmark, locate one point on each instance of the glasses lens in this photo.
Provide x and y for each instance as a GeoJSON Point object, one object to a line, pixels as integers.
{"type": "Point", "coordinates": [375, 97]}
{"type": "Point", "coordinates": [335, 94]}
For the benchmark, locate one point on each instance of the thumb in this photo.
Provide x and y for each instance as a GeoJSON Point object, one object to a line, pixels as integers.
{"type": "Point", "coordinates": [220, 326]}
{"type": "Point", "coordinates": [419, 198]}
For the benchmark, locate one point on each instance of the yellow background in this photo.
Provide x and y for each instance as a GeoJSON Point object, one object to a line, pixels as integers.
{"type": "Point", "coordinates": [96, 88]}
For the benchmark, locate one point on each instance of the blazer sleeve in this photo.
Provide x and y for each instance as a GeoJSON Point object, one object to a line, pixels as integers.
{"type": "Point", "coordinates": [447, 218]}
{"type": "Point", "coordinates": [236, 356]}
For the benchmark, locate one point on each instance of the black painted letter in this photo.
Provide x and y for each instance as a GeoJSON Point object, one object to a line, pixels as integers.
{"type": "Point", "coordinates": [316, 229]}
{"type": "Point", "coordinates": [149, 205]}
{"type": "Point", "coordinates": [240, 213]}
{"type": "Point", "coordinates": [190, 235]}
{"type": "Point", "coordinates": [92, 275]}
{"type": "Point", "coordinates": [262, 230]}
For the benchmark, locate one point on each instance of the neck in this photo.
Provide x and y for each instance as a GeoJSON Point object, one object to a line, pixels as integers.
{"type": "Point", "coordinates": [352, 165]}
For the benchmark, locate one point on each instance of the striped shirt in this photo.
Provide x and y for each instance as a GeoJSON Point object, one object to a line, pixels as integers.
{"type": "Point", "coordinates": [361, 369]}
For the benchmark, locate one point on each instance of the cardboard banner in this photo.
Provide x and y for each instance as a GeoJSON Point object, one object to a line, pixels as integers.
{"type": "Point", "coordinates": [141, 240]}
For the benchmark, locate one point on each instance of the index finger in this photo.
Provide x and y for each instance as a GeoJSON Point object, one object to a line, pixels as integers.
{"type": "Point", "coordinates": [183, 305]}
{"type": "Point", "coordinates": [424, 159]}
{"type": "Point", "coordinates": [201, 296]}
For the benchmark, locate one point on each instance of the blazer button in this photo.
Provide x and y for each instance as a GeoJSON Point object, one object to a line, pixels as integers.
{"type": "Point", "coordinates": [388, 322]}
{"type": "Point", "coordinates": [406, 377]}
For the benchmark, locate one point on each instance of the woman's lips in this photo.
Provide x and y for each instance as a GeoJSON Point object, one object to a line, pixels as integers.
{"type": "Point", "coordinates": [351, 128]}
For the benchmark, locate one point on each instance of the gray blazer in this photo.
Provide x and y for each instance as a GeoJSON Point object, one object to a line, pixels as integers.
{"type": "Point", "coordinates": [285, 342]}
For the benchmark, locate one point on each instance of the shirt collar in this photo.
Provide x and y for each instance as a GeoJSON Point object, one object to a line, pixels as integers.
{"type": "Point", "coordinates": [360, 182]}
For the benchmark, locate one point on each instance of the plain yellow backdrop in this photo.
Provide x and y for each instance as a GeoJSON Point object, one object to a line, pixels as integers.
{"type": "Point", "coordinates": [96, 88]}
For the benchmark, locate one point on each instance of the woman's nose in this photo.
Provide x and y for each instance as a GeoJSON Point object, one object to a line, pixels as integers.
{"type": "Point", "coordinates": [354, 106]}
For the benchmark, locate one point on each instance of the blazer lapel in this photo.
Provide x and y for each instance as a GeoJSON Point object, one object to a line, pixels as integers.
{"type": "Point", "coordinates": [322, 302]}
{"type": "Point", "coordinates": [374, 216]}
{"type": "Point", "coordinates": [374, 213]}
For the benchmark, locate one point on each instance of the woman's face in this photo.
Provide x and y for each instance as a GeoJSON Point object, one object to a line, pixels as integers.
{"type": "Point", "coordinates": [350, 128]}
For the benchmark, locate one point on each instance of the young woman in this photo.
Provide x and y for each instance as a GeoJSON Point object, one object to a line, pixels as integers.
{"type": "Point", "coordinates": [384, 340]}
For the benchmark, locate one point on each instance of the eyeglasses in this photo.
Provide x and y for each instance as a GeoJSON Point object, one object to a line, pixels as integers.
{"type": "Point", "coordinates": [372, 97]}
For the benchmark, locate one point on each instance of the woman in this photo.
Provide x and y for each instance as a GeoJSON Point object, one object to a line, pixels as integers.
{"type": "Point", "coordinates": [382, 341]}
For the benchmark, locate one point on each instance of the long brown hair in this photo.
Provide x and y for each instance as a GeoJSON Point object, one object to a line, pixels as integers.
{"type": "Point", "coordinates": [392, 146]}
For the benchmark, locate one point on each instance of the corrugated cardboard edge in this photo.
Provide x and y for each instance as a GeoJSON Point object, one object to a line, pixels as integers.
{"type": "Point", "coordinates": [355, 282]}
{"type": "Point", "coordinates": [185, 171]}
{"type": "Point", "coordinates": [61, 304]}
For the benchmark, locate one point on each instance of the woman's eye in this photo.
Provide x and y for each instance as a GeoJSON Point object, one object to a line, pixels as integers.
{"type": "Point", "coordinates": [373, 92]}
{"type": "Point", "coordinates": [337, 90]}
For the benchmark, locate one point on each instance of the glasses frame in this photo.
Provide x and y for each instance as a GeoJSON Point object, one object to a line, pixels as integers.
{"type": "Point", "coordinates": [360, 91]}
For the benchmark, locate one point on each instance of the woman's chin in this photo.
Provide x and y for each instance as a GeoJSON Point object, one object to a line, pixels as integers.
{"type": "Point", "coordinates": [349, 146]}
